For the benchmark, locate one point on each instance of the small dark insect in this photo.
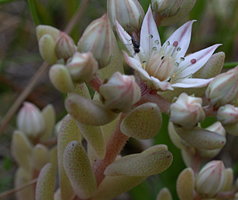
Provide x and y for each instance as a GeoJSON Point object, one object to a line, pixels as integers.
{"type": "Point", "coordinates": [136, 45]}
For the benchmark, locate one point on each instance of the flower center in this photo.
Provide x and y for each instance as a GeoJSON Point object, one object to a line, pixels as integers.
{"type": "Point", "coordinates": [160, 66]}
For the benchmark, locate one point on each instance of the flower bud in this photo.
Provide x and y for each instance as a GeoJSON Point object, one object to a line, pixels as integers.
{"type": "Point", "coordinates": [30, 120]}
{"type": "Point", "coordinates": [223, 88]}
{"type": "Point", "coordinates": [42, 30]}
{"type": "Point", "coordinates": [65, 47]}
{"type": "Point", "coordinates": [187, 111]}
{"type": "Point", "coordinates": [210, 179]}
{"type": "Point", "coordinates": [128, 13]}
{"type": "Point", "coordinates": [60, 78]}
{"type": "Point", "coordinates": [82, 67]}
{"type": "Point", "coordinates": [98, 38]}
{"type": "Point", "coordinates": [227, 114]}
{"type": "Point", "coordinates": [120, 92]}
{"type": "Point", "coordinates": [47, 49]}
{"type": "Point", "coordinates": [171, 11]}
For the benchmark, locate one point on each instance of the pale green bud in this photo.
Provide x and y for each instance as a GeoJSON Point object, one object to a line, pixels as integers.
{"type": "Point", "coordinates": [186, 184]}
{"type": "Point", "coordinates": [171, 11]}
{"type": "Point", "coordinates": [45, 183]}
{"type": "Point", "coordinates": [210, 179]}
{"type": "Point", "coordinates": [98, 38]}
{"type": "Point", "coordinates": [187, 111]}
{"type": "Point", "coordinates": [143, 122]}
{"type": "Point", "coordinates": [128, 13]}
{"type": "Point", "coordinates": [79, 171]}
{"type": "Point", "coordinates": [223, 89]}
{"type": "Point", "coordinates": [61, 79]}
{"type": "Point", "coordinates": [42, 30]}
{"type": "Point", "coordinates": [65, 47]}
{"type": "Point", "coordinates": [82, 67]}
{"type": "Point", "coordinates": [120, 92]}
{"type": "Point", "coordinates": [30, 120]}
{"type": "Point", "coordinates": [47, 37]}
{"type": "Point", "coordinates": [88, 111]}
{"type": "Point", "coordinates": [152, 161]}
{"type": "Point", "coordinates": [47, 48]}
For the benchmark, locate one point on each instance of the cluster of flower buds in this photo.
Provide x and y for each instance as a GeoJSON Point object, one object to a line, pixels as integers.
{"type": "Point", "coordinates": [35, 129]}
{"type": "Point", "coordinates": [185, 115]}
{"type": "Point", "coordinates": [213, 181]}
{"type": "Point", "coordinates": [106, 107]}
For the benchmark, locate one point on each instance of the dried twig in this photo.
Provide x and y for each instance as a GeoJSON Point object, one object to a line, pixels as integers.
{"type": "Point", "coordinates": [12, 191]}
{"type": "Point", "coordinates": [41, 71]}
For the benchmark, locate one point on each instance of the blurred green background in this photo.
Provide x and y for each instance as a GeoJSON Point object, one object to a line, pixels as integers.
{"type": "Point", "coordinates": [217, 22]}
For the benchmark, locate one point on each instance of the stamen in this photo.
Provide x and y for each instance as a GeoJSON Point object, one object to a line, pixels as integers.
{"type": "Point", "coordinates": [157, 42]}
{"type": "Point", "coordinates": [193, 61]}
{"type": "Point", "coordinates": [178, 49]}
{"type": "Point", "coordinates": [175, 44]}
{"type": "Point", "coordinates": [154, 48]}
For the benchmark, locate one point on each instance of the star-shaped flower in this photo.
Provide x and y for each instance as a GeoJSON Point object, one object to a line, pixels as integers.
{"type": "Point", "coordinates": [164, 67]}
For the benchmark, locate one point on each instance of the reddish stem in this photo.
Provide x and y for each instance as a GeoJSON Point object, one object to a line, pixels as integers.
{"type": "Point", "coordinates": [114, 147]}
{"type": "Point", "coordinates": [95, 83]}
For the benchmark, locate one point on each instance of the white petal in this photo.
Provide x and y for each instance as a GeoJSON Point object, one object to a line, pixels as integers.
{"type": "Point", "coordinates": [180, 39]}
{"type": "Point", "coordinates": [125, 38]}
{"type": "Point", "coordinates": [136, 65]}
{"type": "Point", "coordinates": [192, 83]}
{"type": "Point", "coordinates": [196, 61]}
{"type": "Point", "coordinates": [163, 85]}
{"type": "Point", "coordinates": [149, 36]}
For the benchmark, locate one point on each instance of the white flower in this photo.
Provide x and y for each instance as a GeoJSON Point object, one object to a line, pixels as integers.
{"type": "Point", "coordinates": [165, 66]}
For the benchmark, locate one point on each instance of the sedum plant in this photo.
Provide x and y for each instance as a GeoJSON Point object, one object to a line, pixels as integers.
{"type": "Point", "coordinates": [106, 107]}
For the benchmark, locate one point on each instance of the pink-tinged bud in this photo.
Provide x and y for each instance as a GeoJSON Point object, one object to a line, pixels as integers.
{"type": "Point", "coordinates": [98, 38]}
{"type": "Point", "coordinates": [223, 89]}
{"type": "Point", "coordinates": [210, 179]}
{"type": "Point", "coordinates": [82, 67]}
{"type": "Point", "coordinates": [187, 111]}
{"type": "Point", "coordinates": [228, 114]}
{"type": "Point", "coordinates": [30, 120]}
{"type": "Point", "coordinates": [171, 11]}
{"type": "Point", "coordinates": [120, 92]}
{"type": "Point", "coordinates": [128, 13]}
{"type": "Point", "coordinates": [65, 47]}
